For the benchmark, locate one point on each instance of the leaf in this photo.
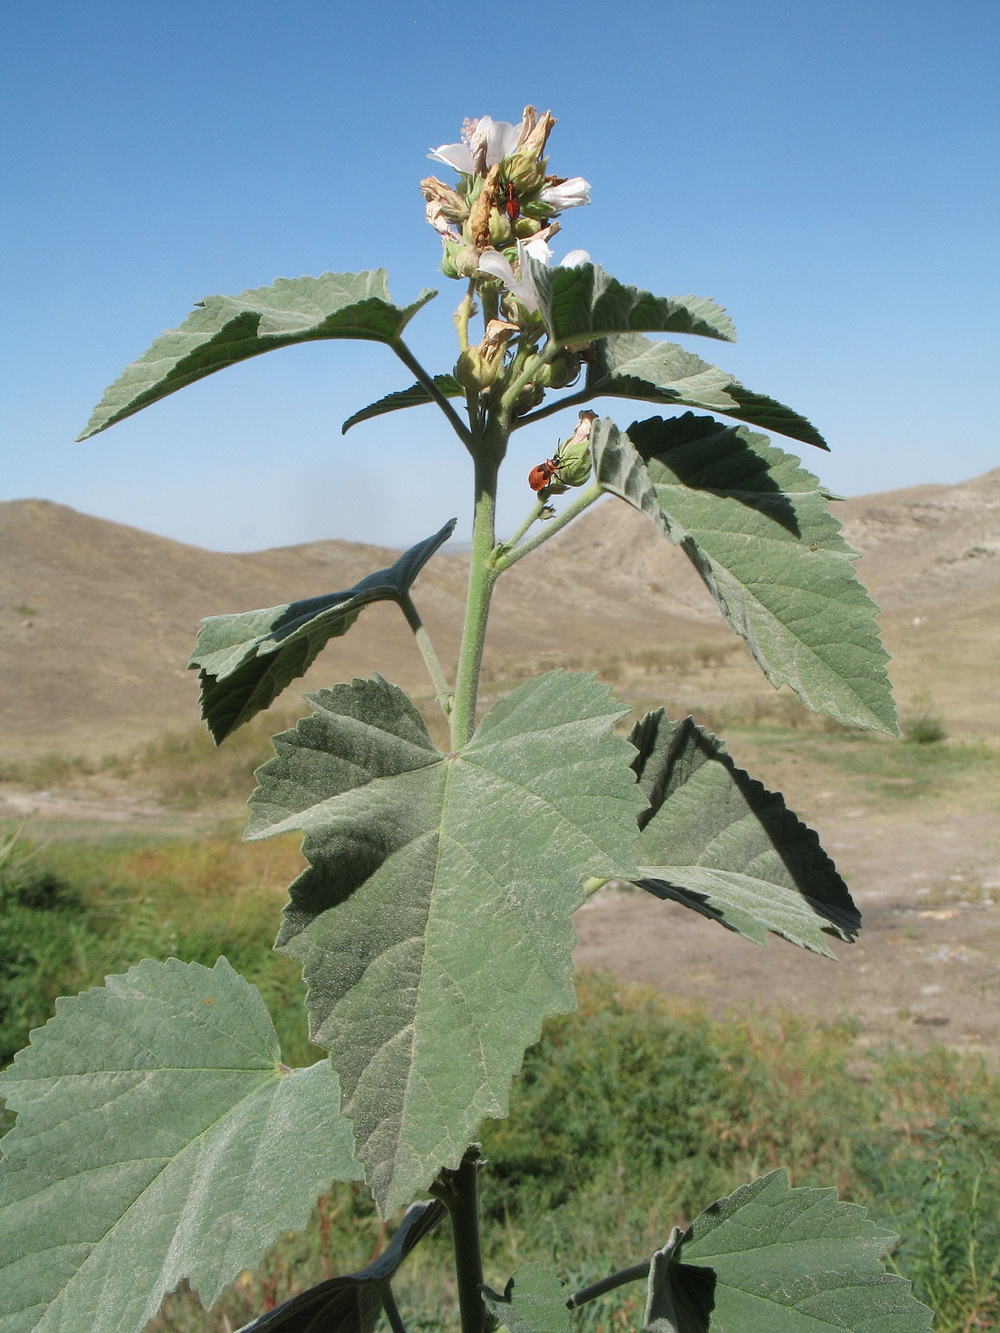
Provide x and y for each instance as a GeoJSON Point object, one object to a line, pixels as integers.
{"type": "Point", "coordinates": [771, 1259]}
{"type": "Point", "coordinates": [351, 1304]}
{"type": "Point", "coordinates": [717, 841]}
{"type": "Point", "coordinates": [246, 660]}
{"type": "Point", "coordinates": [582, 303]}
{"type": "Point", "coordinates": [433, 922]}
{"type": "Point", "coordinates": [756, 526]}
{"type": "Point", "coordinates": [415, 396]}
{"type": "Point", "coordinates": [152, 1108]}
{"type": "Point", "coordinates": [631, 366]}
{"type": "Point", "coordinates": [534, 1301]}
{"type": "Point", "coordinates": [226, 329]}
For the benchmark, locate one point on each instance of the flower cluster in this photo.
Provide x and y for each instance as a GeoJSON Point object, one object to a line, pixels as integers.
{"type": "Point", "coordinates": [505, 205]}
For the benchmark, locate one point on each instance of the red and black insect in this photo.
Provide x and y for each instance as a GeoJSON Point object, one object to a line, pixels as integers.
{"type": "Point", "coordinates": [512, 205]}
{"type": "Point", "coordinates": [543, 474]}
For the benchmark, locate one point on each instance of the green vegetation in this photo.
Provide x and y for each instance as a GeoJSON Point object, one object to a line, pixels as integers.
{"type": "Point", "coordinates": [694, 1105]}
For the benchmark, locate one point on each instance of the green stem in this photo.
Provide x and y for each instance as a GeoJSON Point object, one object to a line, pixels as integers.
{"type": "Point", "coordinates": [581, 396]}
{"type": "Point", "coordinates": [390, 1307]}
{"type": "Point", "coordinates": [482, 576]}
{"type": "Point", "coordinates": [459, 1192]}
{"type": "Point", "coordinates": [531, 519]}
{"type": "Point", "coordinates": [427, 380]}
{"type": "Point", "coordinates": [585, 499]}
{"type": "Point", "coordinates": [444, 695]}
{"type": "Point", "coordinates": [607, 1284]}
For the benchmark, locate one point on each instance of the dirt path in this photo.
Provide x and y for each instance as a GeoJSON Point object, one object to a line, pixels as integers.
{"type": "Point", "coordinates": [926, 967]}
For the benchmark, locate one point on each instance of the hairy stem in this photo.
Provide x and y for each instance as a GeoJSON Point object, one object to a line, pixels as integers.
{"type": "Point", "coordinates": [582, 501]}
{"type": "Point", "coordinates": [532, 518]}
{"type": "Point", "coordinates": [607, 1284]}
{"type": "Point", "coordinates": [482, 576]}
{"type": "Point", "coordinates": [459, 1192]}
{"type": "Point", "coordinates": [583, 395]}
{"type": "Point", "coordinates": [443, 693]}
{"type": "Point", "coordinates": [427, 380]}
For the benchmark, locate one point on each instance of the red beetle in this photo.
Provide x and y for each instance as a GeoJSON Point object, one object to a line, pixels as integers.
{"type": "Point", "coordinates": [512, 205]}
{"type": "Point", "coordinates": [543, 474]}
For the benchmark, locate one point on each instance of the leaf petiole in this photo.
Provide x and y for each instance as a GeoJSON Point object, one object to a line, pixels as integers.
{"type": "Point", "coordinates": [390, 1307]}
{"type": "Point", "coordinates": [427, 380]}
{"type": "Point", "coordinates": [607, 1284]}
{"type": "Point", "coordinates": [583, 501]}
{"type": "Point", "coordinates": [444, 695]}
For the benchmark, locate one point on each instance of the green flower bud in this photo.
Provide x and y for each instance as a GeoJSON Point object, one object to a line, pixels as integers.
{"type": "Point", "coordinates": [563, 368]}
{"type": "Point", "coordinates": [467, 260]}
{"type": "Point", "coordinates": [501, 229]}
{"type": "Point", "coordinates": [575, 463]}
{"type": "Point", "coordinates": [524, 172]}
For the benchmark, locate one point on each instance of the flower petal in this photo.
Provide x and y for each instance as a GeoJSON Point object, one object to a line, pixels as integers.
{"type": "Point", "coordinates": [574, 259]}
{"type": "Point", "coordinates": [455, 155]}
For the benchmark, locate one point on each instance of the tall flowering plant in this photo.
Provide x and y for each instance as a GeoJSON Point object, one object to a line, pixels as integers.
{"type": "Point", "coordinates": [160, 1136]}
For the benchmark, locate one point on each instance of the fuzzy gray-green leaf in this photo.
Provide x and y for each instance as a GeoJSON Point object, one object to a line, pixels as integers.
{"type": "Point", "coordinates": [583, 303]}
{"type": "Point", "coordinates": [757, 528]}
{"type": "Point", "coordinates": [771, 1259]}
{"type": "Point", "coordinates": [631, 366]}
{"type": "Point", "coordinates": [534, 1301]}
{"type": "Point", "coordinates": [415, 396]}
{"type": "Point", "coordinates": [246, 660]}
{"type": "Point", "coordinates": [226, 329]}
{"type": "Point", "coordinates": [717, 841]}
{"type": "Point", "coordinates": [434, 921]}
{"type": "Point", "coordinates": [150, 1110]}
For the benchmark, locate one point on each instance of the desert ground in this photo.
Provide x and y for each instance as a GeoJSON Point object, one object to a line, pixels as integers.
{"type": "Point", "coordinates": [97, 621]}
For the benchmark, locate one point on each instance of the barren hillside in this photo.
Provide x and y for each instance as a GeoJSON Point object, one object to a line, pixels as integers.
{"type": "Point", "coordinates": [97, 619]}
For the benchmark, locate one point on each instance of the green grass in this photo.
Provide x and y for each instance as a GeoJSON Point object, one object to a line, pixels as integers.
{"type": "Point", "coordinates": [629, 1116]}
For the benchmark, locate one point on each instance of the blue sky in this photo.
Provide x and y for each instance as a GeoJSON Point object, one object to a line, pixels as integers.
{"type": "Point", "coordinates": [828, 171]}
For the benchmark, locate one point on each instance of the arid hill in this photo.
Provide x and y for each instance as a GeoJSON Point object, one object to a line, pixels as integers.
{"type": "Point", "coordinates": [97, 619]}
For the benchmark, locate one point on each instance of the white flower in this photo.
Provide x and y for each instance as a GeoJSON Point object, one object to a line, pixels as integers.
{"type": "Point", "coordinates": [500, 137]}
{"type": "Point", "coordinates": [566, 194]}
{"type": "Point", "coordinates": [496, 265]}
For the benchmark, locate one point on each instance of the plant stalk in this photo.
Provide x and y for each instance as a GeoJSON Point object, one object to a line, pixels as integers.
{"type": "Point", "coordinates": [482, 576]}
{"type": "Point", "coordinates": [459, 1192]}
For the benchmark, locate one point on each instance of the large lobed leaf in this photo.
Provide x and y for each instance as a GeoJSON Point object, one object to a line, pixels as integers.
{"type": "Point", "coordinates": [583, 303]}
{"type": "Point", "coordinates": [226, 329]}
{"type": "Point", "coordinates": [757, 528]}
{"type": "Point", "coordinates": [434, 921]}
{"type": "Point", "coordinates": [415, 396]}
{"type": "Point", "coordinates": [717, 841]}
{"type": "Point", "coordinates": [246, 660]}
{"type": "Point", "coordinates": [631, 366]}
{"type": "Point", "coordinates": [351, 1303]}
{"type": "Point", "coordinates": [151, 1109]}
{"type": "Point", "coordinates": [771, 1259]}
{"type": "Point", "coordinates": [533, 1301]}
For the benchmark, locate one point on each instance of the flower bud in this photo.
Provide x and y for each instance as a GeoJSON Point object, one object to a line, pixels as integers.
{"type": "Point", "coordinates": [466, 260]}
{"type": "Point", "coordinates": [574, 463]}
{"type": "Point", "coordinates": [473, 371]}
{"type": "Point", "coordinates": [525, 173]}
{"type": "Point", "coordinates": [563, 369]}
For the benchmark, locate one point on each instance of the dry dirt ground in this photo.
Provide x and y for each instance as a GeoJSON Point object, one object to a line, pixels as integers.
{"type": "Point", "coordinates": [96, 621]}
